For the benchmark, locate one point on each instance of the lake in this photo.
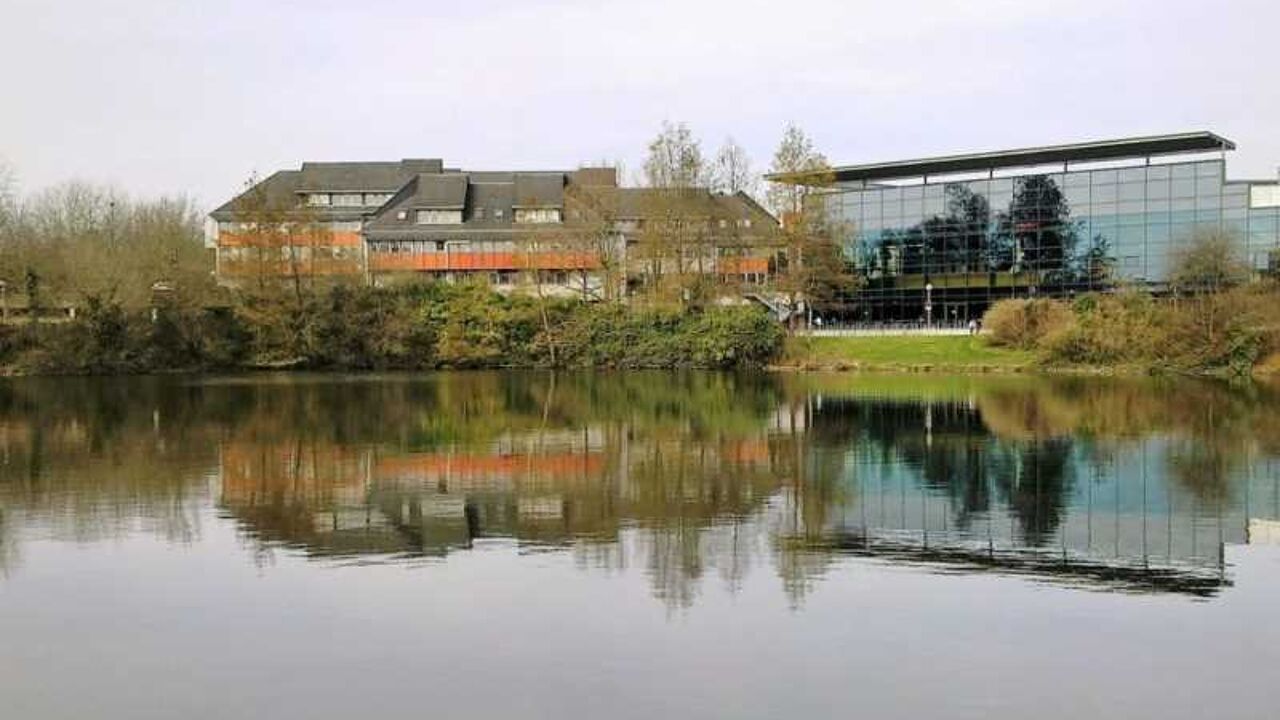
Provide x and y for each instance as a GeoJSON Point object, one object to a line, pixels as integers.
{"type": "Point", "coordinates": [638, 545]}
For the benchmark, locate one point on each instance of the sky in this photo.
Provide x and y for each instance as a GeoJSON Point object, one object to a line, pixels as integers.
{"type": "Point", "coordinates": [182, 97]}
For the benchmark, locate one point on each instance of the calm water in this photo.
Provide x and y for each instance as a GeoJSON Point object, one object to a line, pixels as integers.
{"type": "Point", "coordinates": [529, 545]}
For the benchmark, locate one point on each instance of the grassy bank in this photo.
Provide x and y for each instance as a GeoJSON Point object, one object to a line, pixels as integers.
{"type": "Point", "coordinates": [904, 353]}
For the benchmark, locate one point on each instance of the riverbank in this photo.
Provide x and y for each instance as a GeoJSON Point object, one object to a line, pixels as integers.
{"type": "Point", "coordinates": [426, 327]}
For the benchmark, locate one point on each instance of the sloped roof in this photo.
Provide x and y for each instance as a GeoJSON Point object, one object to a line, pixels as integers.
{"type": "Point", "coordinates": [440, 191]}
{"type": "Point", "coordinates": [492, 196]}
{"type": "Point", "coordinates": [279, 191]}
{"type": "Point", "coordinates": [491, 191]}
{"type": "Point", "coordinates": [637, 203]}
{"type": "Point", "coordinates": [539, 190]}
{"type": "Point", "coordinates": [351, 177]}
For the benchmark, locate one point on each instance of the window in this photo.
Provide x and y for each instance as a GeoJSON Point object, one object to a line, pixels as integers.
{"type": "Point", "coordinates": [477, 214]}
{"type": "Point", "coordinates": [348, 200]}
{"type": "Point", "coordinates": [538, 215]}
{"type": "Point", "coordinates": [497, 213]}
{"type": "Point", "coordinates": [376, 199]}
{"type": "Point", "coordinates": [318, 199]}
{"type": "Point", "coordinates": [402, 215]}
{"type": "Point", "coordinates": [439, 217]}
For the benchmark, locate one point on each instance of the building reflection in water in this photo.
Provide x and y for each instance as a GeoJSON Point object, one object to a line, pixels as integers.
{"type": "Point", "coordinates": [1114, 485]}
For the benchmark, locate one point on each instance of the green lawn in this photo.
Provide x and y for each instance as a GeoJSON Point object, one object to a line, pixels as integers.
{"type": "Point", "coordinates": [953, 352]}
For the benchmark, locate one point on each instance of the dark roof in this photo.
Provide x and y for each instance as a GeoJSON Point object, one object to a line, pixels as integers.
{"type": "Point", "coordinates": [539, 190]}
{"type": "Point", "coordinates": [440, 191]}
{"type": "Point", "coordinates": [279, 189]}
{"type": "Point", "coordinates": [363, 176]}
{"type": "Point", "coordinates": [637, 203]}
{"type": "Point", "coordinates": [351, 176]}
{"type": "Point", "coordinates": [490, 191]}
{"type": "Point", "coordinates": [1134, 147]}
{"type": "Point", "coordinates": [492, 196]}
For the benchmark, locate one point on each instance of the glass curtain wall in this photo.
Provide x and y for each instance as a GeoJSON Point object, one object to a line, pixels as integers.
{"type": "Point", "coordinates": [976, 241]}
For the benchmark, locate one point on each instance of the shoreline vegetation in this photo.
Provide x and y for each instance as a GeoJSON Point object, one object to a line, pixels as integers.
{"type": "Point", "coordinates": [413, 327]}
{"type": "Point", "coordinates": [1230, 333]}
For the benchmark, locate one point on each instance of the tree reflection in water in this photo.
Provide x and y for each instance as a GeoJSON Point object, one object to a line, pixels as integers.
{"type": "Point", "coordinates": [1113, 484]}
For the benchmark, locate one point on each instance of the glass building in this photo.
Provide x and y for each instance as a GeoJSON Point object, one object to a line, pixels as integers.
{"type": "Point", "coordinates": [940, 239]}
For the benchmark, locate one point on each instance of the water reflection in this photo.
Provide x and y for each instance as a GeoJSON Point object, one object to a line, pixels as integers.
{"type": "Point", "coordinates": [1108, 484]}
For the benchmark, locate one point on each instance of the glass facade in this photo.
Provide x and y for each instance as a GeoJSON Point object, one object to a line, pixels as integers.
{"type": "Point", "coordinates": [976, 241]}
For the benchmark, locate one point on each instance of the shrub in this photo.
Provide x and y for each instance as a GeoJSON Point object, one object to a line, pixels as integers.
{"type": "Point", "coordinates": [462, 326]}
{"type": "Point", "coordinates": [1106, 329]}
{"type": "Point", "coordinates": [1025, 323]}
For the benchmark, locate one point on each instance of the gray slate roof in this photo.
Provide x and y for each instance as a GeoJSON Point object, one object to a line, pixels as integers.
{"type": "Point", "coordinates": [487, 198]}
{"type": "Point", "coordinates": [439, 191]}
{"type": "Point", "coordinates": [542, 190]}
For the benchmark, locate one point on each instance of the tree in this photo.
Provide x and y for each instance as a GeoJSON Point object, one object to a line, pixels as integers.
{"type": "Point", "coordinates": [796, 156]}
{"type": "Point", "coordinates": [675, 159]}
{"type": "Point", "coordinates": [1216, 325]}
{"type": "Point", "coordinates": [284, 236]}
{"type": "Point", "coordinates": [731, 171]}
{"type": "Point", "coordinates": [591, 234]}
{"type": "Point", "coordinates": [88, 240]}
{"type": "Point", "coordinates": [260, 225]}
{"type": "Point", "coordinates": [8, 199]}
{"type": "Point", "coordinates": [811, 268]}
{"type": "Point", "coordinates": [675, 239]}
{"type": "Point", "coordinates": [1211, 263]}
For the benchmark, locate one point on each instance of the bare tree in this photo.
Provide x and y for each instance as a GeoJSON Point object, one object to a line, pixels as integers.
{"type": "Point", "coordinates": [1211, 263]}
{"type": "Point", "coordinates": [283, 236]}
{"type": "Point", "coordinates": [811, 268]}
{"type": "Point", "coordinates": [675, 237]}
{"type": "Point", "coordinates": [797, 157]}
{"type": "Point", "coordinates": [732, 172]}
{"type": "Point", "coordinates": [8, 196]}
{"type": "Point", "coordinates": [82, 240]}
{"type": "Point", "coordinates": [675, 159]}
{"type": "Point", "coordinates": [592, 236]}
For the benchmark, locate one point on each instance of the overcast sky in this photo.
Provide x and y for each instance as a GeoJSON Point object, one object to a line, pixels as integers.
{"type": "Point", "coordinates": [175, 96]}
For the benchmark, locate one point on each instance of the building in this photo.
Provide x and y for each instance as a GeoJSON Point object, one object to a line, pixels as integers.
{"type": "Point", "coordinates": [939, 239]}
{"type": "Point", "coordinates": [383, 221]}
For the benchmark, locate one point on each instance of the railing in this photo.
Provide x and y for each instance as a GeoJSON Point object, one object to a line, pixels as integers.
{"type": "Point", "coordinates": [885, 329]}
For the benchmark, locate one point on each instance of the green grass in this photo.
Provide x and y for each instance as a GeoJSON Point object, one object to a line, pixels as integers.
{"type": "Point", "coordinates": [950, 352]}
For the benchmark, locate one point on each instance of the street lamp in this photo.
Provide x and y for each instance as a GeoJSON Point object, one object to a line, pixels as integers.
{"type": "Point", "coordinates": [928, 304]}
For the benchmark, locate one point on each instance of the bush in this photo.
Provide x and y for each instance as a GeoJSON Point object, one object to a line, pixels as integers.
{"type": "Point", "coordinates": [1105, 330]}
{"type": "Point", "coordinates": [1024, 324]}
{"type": "Point", "coordinates": [1226, 331]}
{"type": "Point", "coordinates": [422, 326]}
{"type": "Point", "coordinates": [608, 335]}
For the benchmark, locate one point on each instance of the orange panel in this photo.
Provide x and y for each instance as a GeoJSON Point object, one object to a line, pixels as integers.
{"type": "Point", "coordinates": [482, 261]}
{"type": "Point", "coordinates": [743, 265]}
